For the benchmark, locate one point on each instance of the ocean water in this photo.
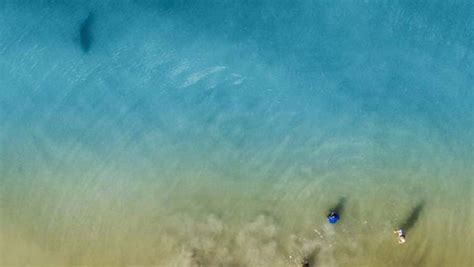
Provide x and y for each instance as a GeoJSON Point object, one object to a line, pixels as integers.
{"type": "Point", "coordinates": [220, 133]}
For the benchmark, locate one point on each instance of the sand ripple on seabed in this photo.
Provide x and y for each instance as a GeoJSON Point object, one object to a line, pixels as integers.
{"type": "Point", "coordinates": [260, 242]}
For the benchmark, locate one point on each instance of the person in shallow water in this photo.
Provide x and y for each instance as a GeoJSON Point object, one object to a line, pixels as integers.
{"type": "Point", "coordinates": [401, 236]}
{"type": "Point", "coordinates": [333, 217]}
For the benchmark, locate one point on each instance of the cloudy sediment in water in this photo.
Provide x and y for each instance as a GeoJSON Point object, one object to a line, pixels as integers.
{"type": "Point", "coordinates": [173, 133]}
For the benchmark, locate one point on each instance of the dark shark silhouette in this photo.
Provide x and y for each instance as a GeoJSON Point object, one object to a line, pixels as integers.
{"type": "Point", "coordinates": [85, 33]}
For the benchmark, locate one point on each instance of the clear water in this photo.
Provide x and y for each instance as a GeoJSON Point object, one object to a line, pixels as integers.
{"type": "Point", "coordinates": [219, 133]}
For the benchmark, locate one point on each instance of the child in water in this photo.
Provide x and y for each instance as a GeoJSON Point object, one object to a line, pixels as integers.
{"type": "Point", "coordinates": [333, 217]}
{"type": "Point", "coordinates": [401, 236]}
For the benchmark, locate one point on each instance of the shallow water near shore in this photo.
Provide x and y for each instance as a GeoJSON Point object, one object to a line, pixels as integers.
{"type": "Point", "coordinates": [168, 133]}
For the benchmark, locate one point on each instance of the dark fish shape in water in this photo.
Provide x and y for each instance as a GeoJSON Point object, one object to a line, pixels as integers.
{"type": "Point", "coordinates": [85, 33]}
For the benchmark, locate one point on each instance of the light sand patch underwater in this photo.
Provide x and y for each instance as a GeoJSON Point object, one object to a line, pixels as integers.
{"type": "Point", "coordinates": [215, 224]}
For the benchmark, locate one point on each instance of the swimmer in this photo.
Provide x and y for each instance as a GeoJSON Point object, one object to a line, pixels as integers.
{"type": "Point", "coordinates": [305, 262]}
{"type": "Point", "coordinates": [401, 236]}
{"type": "Point", "coordinates": [333, 217]}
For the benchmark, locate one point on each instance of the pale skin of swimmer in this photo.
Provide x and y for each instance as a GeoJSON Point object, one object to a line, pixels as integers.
{"type": "Point", "coordinates": [401, 236]}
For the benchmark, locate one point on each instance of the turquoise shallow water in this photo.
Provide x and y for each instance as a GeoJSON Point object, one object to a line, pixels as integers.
{"type": "Point", "coordinates": [170, 133]}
